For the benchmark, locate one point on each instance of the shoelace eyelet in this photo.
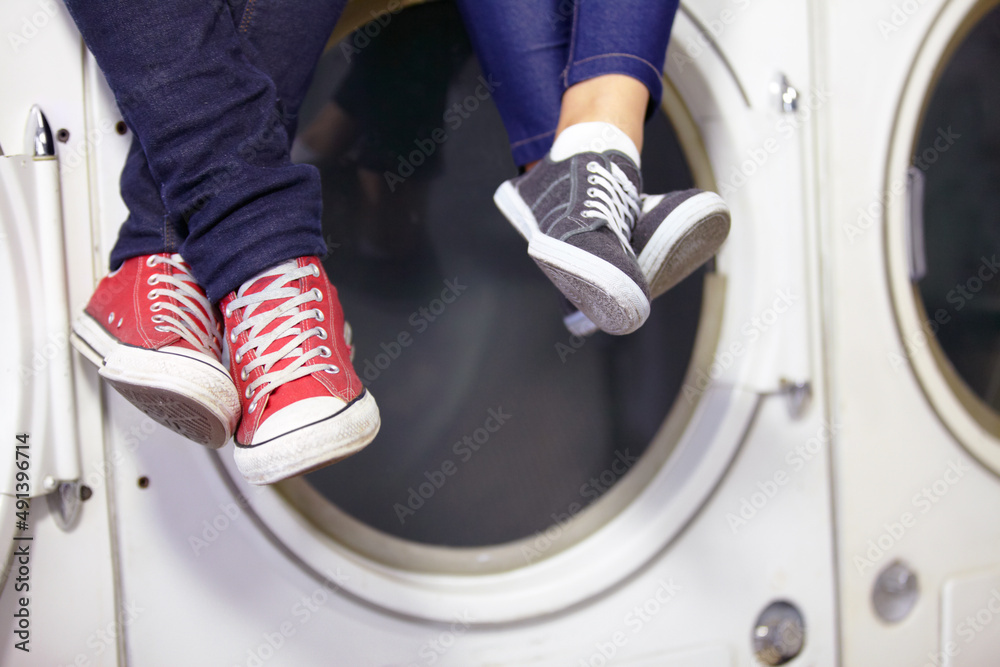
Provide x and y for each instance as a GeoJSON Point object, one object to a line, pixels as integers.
{"type": "Point", "coordinates": [315, 270]}
{"type": "Point", "coordinates": [592, 166]}
{"type": "Point", "coordinates": [321, 333]}
{"type": "Point", "coordinates": [152, 261]}
{"type": "Point", "coordinates": [156, 318]}
{"type": "Point", "coordinates": [111, 318]}
{"type": "Point", "coordinates": [319, 316]}
{"type": "Point", "coordinates": [332, 370]}
{"type": "Point", "coordinates": [232, 337]}
{"type": "Point", "coordinates": [317, 295]}
{"type": "Point", "coordinates": [253, 406]}
{"type": "Point", "coordinates": [248, 394]}
{"type": "Point", "coordinates": [153, 279]}
{"type": "Point", "coordinates": [161, 329]}
{"type": "Point", "coordinates": [238, 358]}
{"type": "Point", "coordinates": [153, 294]}
{"type": "Point", "coordinates": [324, 351]}
{"type": "Point", "coordinates": [244, 375]}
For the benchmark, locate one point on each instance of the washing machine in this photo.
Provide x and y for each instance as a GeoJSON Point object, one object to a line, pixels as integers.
{"type": "Point", "coordinates": [909, 237]}
{"type": "Point", "coordinates": [741, 482]}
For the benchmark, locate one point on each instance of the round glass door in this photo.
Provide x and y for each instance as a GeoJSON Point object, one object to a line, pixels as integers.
{"type": "Point", "coordinates": [957, 157]}
{"type": "Point", "coordinates": [496, 422]}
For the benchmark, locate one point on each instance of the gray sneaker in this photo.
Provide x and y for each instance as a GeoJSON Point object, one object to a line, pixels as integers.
{"type": "Point", "coordinates": [676, 233]}
{"type": "Point", "coordinates": [577, 216]}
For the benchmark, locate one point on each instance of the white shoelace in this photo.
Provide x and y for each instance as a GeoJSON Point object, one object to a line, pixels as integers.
{"type": "Point", "coordinates": [289, 310]}
{"type": "Point", "coordinates": [616, 201]}
{"type": "Point", "coordinates": [192, 304]}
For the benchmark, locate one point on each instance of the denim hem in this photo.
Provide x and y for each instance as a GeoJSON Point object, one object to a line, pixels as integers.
{"type": "Point", "coordinates": [618, 63]}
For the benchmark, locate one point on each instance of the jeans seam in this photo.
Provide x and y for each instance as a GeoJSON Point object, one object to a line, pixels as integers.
{"type": "Point", "coordinates": [247, 16]}
{"type": "Point", "coordinates": [572, 45]}
{"type": "Point", "coordinates": [530, 139]}
{"type": "Point", "coordinates": [617, 55]}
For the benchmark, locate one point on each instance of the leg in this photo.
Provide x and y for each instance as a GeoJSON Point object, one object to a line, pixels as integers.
{"type": "Point", "coordinates": [214, 129]}
{"type": "Point", "coordinates": [210, 126]}
{"type": "Point", "coordinates": [524, 46]}
{"type": "Point", "coordinates": [609, 61]}
{"type": "Point", "coordinates": [283, 40]}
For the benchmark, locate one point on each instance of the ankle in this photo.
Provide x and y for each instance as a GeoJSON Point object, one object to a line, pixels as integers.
{"type": "Point", "coordinates": [612, 98]}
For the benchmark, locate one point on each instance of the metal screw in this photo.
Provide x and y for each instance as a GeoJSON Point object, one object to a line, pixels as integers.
{"type": "Point", "coordinates": [779, 634]}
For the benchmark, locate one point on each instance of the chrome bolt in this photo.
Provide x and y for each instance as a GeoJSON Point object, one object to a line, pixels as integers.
{"type": "Point", "coordinates": [779, 634]}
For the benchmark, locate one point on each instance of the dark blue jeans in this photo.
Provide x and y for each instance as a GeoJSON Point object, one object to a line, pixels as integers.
{"type": "Point", "coordinates": [211, 90]}
{"type": "Point", "coordinates": [536, 49]}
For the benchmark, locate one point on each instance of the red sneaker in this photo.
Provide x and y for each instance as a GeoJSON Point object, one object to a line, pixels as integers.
{"type": "Point", "coordinates": [156, 339]}
{"type": "Point", "coordinates": [303, 405]}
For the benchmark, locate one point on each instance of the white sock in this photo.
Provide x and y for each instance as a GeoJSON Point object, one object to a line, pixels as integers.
{"type": "Point", "coordinates": [595, 136]}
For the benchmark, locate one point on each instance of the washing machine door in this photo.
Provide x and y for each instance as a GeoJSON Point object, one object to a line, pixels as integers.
{"type": "Point", "coordinates": [943, 236]}
{"type": "Point", "coordinates": [521, 470]}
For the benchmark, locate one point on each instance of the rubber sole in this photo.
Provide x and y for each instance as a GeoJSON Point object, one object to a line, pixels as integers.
{"type": "Point", "coordinates": [312, 446]}
{"type": "Point", "coordinates": [690, 236]}
{"type": "Point", "coordinates": [599, 289]}
{"type": "Point", "coordinates": [193, 397]}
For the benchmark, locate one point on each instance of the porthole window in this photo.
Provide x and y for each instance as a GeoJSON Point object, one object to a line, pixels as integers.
{"type": "Point", "coordinates": [496, 422]}
{"type": "Point", "coordinates": [943, 241]}
{"type": "Point", "coordinates": [957, 158]}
